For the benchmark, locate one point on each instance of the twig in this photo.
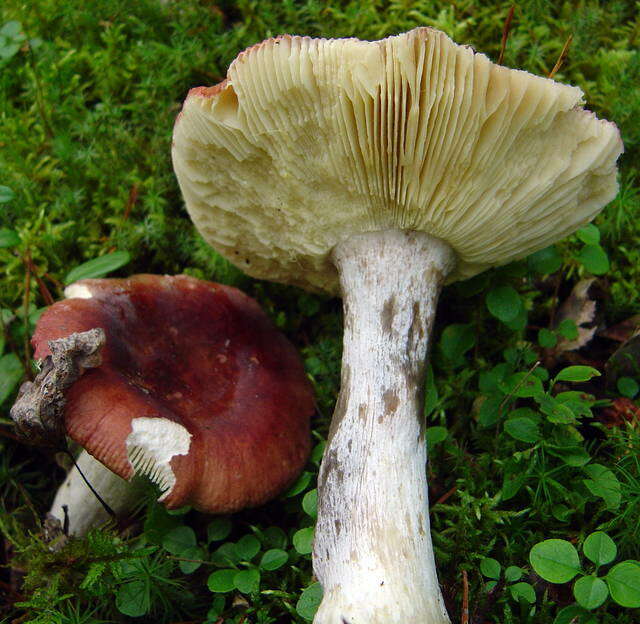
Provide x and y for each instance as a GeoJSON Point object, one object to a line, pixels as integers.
{"type": "Point", "coordinates": [519, 384]}
{"type": "Point", "coordinates": [44, 291]}
{"type": "Point", "coordinates": [464, 618]}
{"type": "Point", "coordinates": [446, 496]}
{"type": "Point", "coordinates": [131, 201]}
{"type": "Point", "coordinates": [505, 33]}
{"type": "Point", "coordinates": [562, 57]}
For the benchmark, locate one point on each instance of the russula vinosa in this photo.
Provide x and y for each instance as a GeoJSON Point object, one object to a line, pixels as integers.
{"type": "Point", "coordinates": [382, 170]}
{"type": "Point", "coordinates": [196, 389]}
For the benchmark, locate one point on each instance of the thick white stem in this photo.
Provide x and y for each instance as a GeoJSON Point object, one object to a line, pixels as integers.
{"type": "Point", "coordinates": [373, 553]}
{"type": "Point", "coordinates": [84, 510]}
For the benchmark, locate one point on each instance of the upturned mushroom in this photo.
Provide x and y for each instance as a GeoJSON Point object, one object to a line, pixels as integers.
{"type": "Point", "coordinates": [195, 389]}
{"type": "Point", "coordinates": [382, 170]}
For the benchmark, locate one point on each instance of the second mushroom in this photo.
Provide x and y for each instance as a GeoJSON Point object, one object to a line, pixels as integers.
{"type": "Point", "coordinates": [196, 389]}
{"type": "Point", "coordinates": [380, 170]}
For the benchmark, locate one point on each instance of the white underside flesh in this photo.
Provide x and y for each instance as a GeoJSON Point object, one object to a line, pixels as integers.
{"type": "Point", "coordinates": [373, 553]}
{"type": "Point", "coordinates": [151, 445]}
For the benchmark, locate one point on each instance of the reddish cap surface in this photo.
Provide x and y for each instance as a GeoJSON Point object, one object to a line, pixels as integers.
{"type": "Point", "coordinates": [202, 355]}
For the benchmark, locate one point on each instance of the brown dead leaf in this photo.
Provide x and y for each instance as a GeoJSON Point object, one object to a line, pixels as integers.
{"type": "Point", "coordinates": [621, 410]}
{"type": "Point", "coordinates": [581, 309]}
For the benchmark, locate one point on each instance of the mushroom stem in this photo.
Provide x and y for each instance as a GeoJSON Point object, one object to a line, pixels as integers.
{"type": "Point", "coordinates": [373, 553]}
{"type": "Point", "coordinates": [84, 510]}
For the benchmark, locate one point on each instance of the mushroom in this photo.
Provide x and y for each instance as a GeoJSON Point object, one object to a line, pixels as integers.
{"type": "Point", "coordinates": [382, 170]}
{"type": "Point", "coordinates": [196, 389]}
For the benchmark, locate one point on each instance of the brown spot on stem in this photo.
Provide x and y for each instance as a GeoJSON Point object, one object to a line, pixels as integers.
{"type": "Point", "coordinates": [391, 402]}
{"type": "Point", "coordinates": [388, 314]}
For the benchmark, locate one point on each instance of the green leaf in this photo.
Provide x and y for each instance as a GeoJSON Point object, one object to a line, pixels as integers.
{"type": "Point", "coordinates": [225, 555]}
{"type": "Point", "coordinates": [545, 261]}
{"type": "Point", "coordinates": [627, 387]}
{"type": "Point", "coordinates": [589, 234]}
{"type": "Point", "coordinates": [456, 340]}
{"type": "Point", "coordinates": [624, 584]}
{"type": "Point", "coordinates": [590, 592]}
{"type": "Point", "coordinates": [133, 599]}
{"type": "Point", "coordinates": [523, 429]}
{"type": "Point", "coordinates": [6, 194]}
{"type": "Point", "coordinates": [217, 607]}
{"type": "Point", "coordinates": [11, 29]}
{"type": "Point", "coordinates": [594, 258]}
{"type": "Point", "coordinates": [555, 411]}
{"type": "Point", "coordinates": [431, 392]}
{"type": "Point", "coordinates": [520, 321]}
{"type": "Point", "coordinates": [317, 452]}
{"type": "Point", "coordinates": [273, 559]}
{"type": "Point", "coordinates": [300, 485]}
{"type": "Point", "coordinates": [603, 483]}
{"type": "Point", "coordinates": [511, 485]}
{"type": "Point", "coordinates": [179, 540]}
{"type": "Point", "coordinates": [547, 339]}
{"type": "Point", "coordinates": [218, 529]}
{"type": "Point", "coordinates": [568, 329]}
{"type": "Point", "coordinates": [247, 547]}
{"type": "Point", "coordinates": [573, 614]}
{"type": "Point", "coordinates": [11, 373]}
{"type": "Point", "coordinates": [195, 553]}
{"type": "Point", "coordinates": [555, 560]}
{"type": "Point", "coordinates": [309, 601]}
{"type": "Point", "coordinates": [303, 540]}
{"type": "Point", "coordinates": [561, 512]}
{"type": "Point", "coordinates": [599, 548]}
{"type": "Point", "coordinates": [504, 303]}
{"type": "Point", "coordinates": [575, 456]}
{"type": "Point", "coordinates": [98, 267]}
{"type": "Point", "coordinates": [522, 385]}
{"type": "Point", "coordinates": [247, 581]}
{"type": "Point", "coordinates": [523, 591]}
{"type": "Point", "coordinates": [490, 568]}
{"type": "Point", "coordinates": [489, 413]}
{"type": "Point", "coordinates": [513, 573]}
{"type": "Point", "coordinates": [222, 581]}
{"type": "Point", "coordinates": [310, 503]}
{"type": "Point", "coordinates": [8, 238]}
{"type": "Point", "coordinates": [435, 435]}
{"type": "Point", "coordinates": [577, 373]}
{"type": "Point", "coordinates": [275, 537]}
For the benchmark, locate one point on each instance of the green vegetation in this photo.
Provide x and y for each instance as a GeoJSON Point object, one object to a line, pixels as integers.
{"type": "Point", "coordinates": [531, 439]}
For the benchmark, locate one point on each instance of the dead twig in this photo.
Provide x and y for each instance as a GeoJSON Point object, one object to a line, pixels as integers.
{"type": "Point", "coordinates": [464, 617]}
{"type": "Point", "coordinates": [561, 58]}
{"type": "Point", "coordinates": [505, 33]}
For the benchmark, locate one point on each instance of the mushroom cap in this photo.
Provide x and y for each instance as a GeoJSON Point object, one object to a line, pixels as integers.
{"type": "Point", "coordinates": [197, 389]}
{"type": "Point", "coordinates": [309, 141]}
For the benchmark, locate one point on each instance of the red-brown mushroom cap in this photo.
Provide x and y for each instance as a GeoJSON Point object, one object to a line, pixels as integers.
{"type": "Point", "coordinates": [200, 365]}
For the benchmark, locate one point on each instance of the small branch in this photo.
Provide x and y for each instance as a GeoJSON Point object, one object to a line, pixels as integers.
{"type": "Point", "coordinates": [131, 202]}
{"type": "Point", "coordinates": [505, 33]}
{"type": "Point", "coordinates": [464, 617]}
{"type": "Point", "coordinates": [519, 385]}
{"type": "Point", "coordinates": [562, 57]}
{"type": "Point", "coordinates": [191, 560]}
{"type": "Point", "coordinates": [44, 291]}
{"type": "Point", "coordinates": [446, 496]}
